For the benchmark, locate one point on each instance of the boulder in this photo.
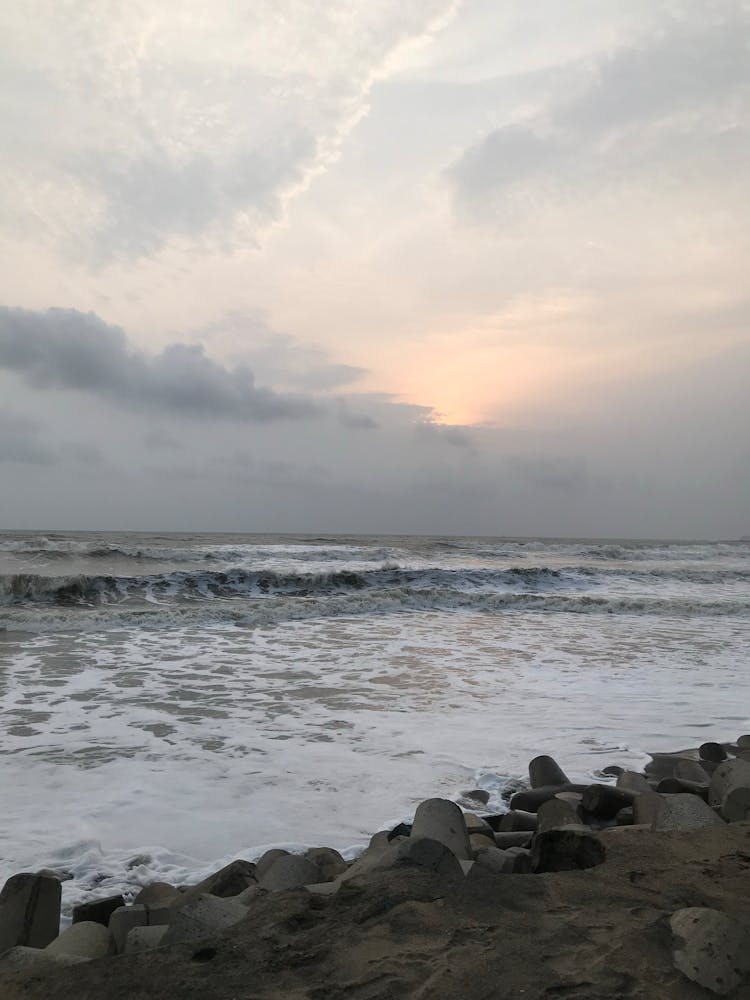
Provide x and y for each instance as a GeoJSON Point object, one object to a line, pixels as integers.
{"type": "Point", "coordinates": [730, 790]}
{"type": "Point", "coordinates": [202, 916]}
{"type": "Point", "coordinates": [291, 871]}
{"type": "Point", "coordinates": [521, 838]}
{"type": "Point", "coordinates": [157, 893]}
{"type": "Point", "coordinates": [743, 742]}
{"type": "Point", "coordinates": [29, 910]}
{"type": "Point", "coordinates": [442, 820]}
{"type": "Point", "coordinates": [684, 812]}
{"type": "Point", "coordinates": [87, 939]}
{"type": "Point", "coordinates": [400, 830]}
{"type": "Point", "coordinates": [711, 949]}
{"type": "Point", "coordinates": [248, 896]}
{"type": "Point", "coordinates": [230, 880]}
{"type": "Point", "coordinates": [604, 802]}
{"type": "Point", "coordinates": [691, 770]}
{"type": "Point", "coordinates": [556, 813]}
{"type": "Point", "coordinates": [565, 849]}
{"type": "Point", "coordinates": [613, 769]}
{"type": "Point", "coordinates": [545, 770]}
{"type": "Point", "coordinates": [98, 910]}
{"type": "Point", "coordinates": [530, 799]}
{"type": "Point", "coordinates": [518, 819]}
{"type": "Point", "coordinates": [432, 855]}
{"type": "Point", "coordinates": [144, 938]}
{"type": "Point", "coordinates": [329, 863]}
{"type": "Point", "coordinates": [712, 751]}
{"type": "Point", "coordinates": [480, 795]}
{"type": "Point", "coordinates": [265, 861]}
{"type": "Point", "coordinates": [632, 781]}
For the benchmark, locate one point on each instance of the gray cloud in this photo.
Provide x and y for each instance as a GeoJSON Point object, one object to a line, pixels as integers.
{"type": "Point", "coordinates": [66, 349]}
{"type": "Point", "coordinates": [443, 434]}
{"type": "Point", "coordinates": [19, 441]}
{"type": "Point", "coordinates": [550, 471]}
{"type": "Point", "coordinates": [678, 100]}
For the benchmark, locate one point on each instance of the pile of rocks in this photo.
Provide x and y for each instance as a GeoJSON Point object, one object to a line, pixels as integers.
{"type": "Point", "coordinates": [553, 825]}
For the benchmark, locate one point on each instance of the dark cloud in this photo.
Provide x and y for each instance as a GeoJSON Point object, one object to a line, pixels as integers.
{"type": "Point", "coordinates": [654, 103]}
{"type": "Point", "coordinates": [19, 441]}
{"type": "Point", "coordinates": [66, 349]}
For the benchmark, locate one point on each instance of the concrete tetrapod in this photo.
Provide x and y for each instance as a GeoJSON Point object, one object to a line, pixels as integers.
{"type": "Point", "coordinates": [442, 820]}
{"type": "Point", "coordinates": [711, 949]}
{"type": "Point", "coordinates": [730, 790]}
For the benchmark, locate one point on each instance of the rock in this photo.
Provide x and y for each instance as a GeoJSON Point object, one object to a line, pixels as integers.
{"type": "Point", "coordinates": [475, 824]}
{"type": "Point", "coordinates": [518, 861]}
{"type": "Point", "coordinates": [743, 742]}
{"type": "Point", "coordinates": [492, 859]}
{"type": "Point", "coordinates": [156, 892]}
{"type": "Point", "coordinates": [265, 861]}
{"type": "Point", "coordinates": [646, 808]}
{"type": "Point", "coordinates": [400, 830]}
{"type": "Point", "coordinates": [712, 751]}
{"type": "Point", "coordinates": [202, 916]}
{"type": "Point", "coordinates": [632, 781]}
{"type": "Point", "coordinates": [379, 841]}
{"type": "Point", "coordinates": [691, 770]}
{"type": "Point", "coordinates": [144, 938]}
{"type": "Point", "coordinates": [477, 795]}
{"type": "Point", "coordinates": [544, 771]}
{"type": "Point", "coordinates": [521, 838]}
{"type": "Point", "coordinates": [329, 863]}
{"type": "Point", "coordinates": [710, 949]}
{"type": "Point", "coordinates": [87, 939]}
{"type": "Point", "coordinates": [478, 842]}
{"type": "Point", "coordinates": [442, 820]}
{"type": "Point", "coordinates": [518, 819]}
{"type": "Point", "coordinates": [672, 786]}
{"type": "Point", "coordinates": [730, 790]}
{"type": "Point", "coordinates": [230, 880]}
{"type": "Point", "coordinates": [123, 920]}
{"type": "Point", "coordinates": [324, 888]}
{"type": "Point", "coordinates": [36, 959]}
{"type": "Point", "coordinates": [604, 801]}
{"type": "Point", "coordinates": [290, 872]}
{"type": "Point", "coordinates": [248, 896]}
{"type": "Point", "coordinates": [565, 849]}
{"type": "Point", "coordinates": [613, 769]}
{"type": "Point", "coordinates": [684, 812]}
{"type": "Point", "coordinates": [530, 799]}
{"type": "Point", "coordinates": [662, 765]}
{"type": "Point", "coordinates": [98, 910]}
{"type": "Point", "coordinates": [556, 813]}
{"type": "Point", "coordinates": [432, 855]}
{"type": "Point", "coordinates": [29, 910]}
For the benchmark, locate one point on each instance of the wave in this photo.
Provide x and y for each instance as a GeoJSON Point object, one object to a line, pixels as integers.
{"type": "Point", "coordinates": [31, 588]}
{"type": "Point", "coordinates": [279, 609]}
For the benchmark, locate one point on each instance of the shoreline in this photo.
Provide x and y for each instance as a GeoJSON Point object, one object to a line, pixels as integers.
{"type": "Point", "coordinates": [588, 885]}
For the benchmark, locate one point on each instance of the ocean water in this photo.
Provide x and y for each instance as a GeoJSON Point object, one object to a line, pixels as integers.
{"type": "Point", "coordinates": [170, 702]}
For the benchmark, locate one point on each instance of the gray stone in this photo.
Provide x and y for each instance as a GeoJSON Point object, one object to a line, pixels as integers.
{"type": "Point", "coordinates": [480, 795]}
{"type": "Point", "coordinates": [521, 838]}
{"type": "Point", "coordinates": [324, 888]}
{"type": "Point", "coordinates": [289, 872]}
{"type": "Point", "coordinates": [36, 958]}
{"type": "Point", "coordinates": [29, 910]}
{"type": "Point", "coordinates": [565, 849]}
{"type": "Point", "coordinates": [379, 841]}
{"type": "Point", "coordinates": [123, 920]}
{"type": "Point", "coordinates": [692, 770]}
{"type": "Point", "coordinates": [144, 938]}
{"type": "Point", "coordinates": [98, 910]}
{"type": "Point", "coordinates": [442, 820]}
{"type": "Point", "coordinates": [86, 939]}
{"type": "Point", "coordinates": [684, 812]}
{"type": "Point", "coordinates": [518, 819]}
{"type": "Point", "coordinates": [267, 860]}
{"type": "Point", "coordinates": [479, 842]}
{"type": "Point", "coordinates": [743, 742]}
{"type": "Point", "coordinates": [712, 751]}
{"type": "Point", "coordinates": [730, 790]}
{"type": "Point", "coordinates": [475, 824]}
{"type": "Point", "coordinates": [202, 916]}
{"type": "Point", "coordinates": [711, 949]}
{"type": "Point", "coordinates": [230, 880]}
{"type": "Point", "coordinates": [248, 896]}
{"type": "Point", "coordinates": [530, 799]}
{"type": "Point", "coordinates": [432, 855]}
{"type": "Point", "coordinates": [329, 863]}
{"type": "Point", "coordinates": [632, 781]}
{"type": "Point", "coordinates": [492, 859]}
{"type": "Point", "coordinates": [157, 893]}
{"type": "Point", "coordinates": [556, 813]}
{"type": "Point", "coordinates": [518, 860]}
{"type": "Point", "coordinates": [544, 770]}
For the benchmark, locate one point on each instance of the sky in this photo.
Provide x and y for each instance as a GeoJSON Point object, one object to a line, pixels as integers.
{"type": "Point", "coordinates": [457, 266]}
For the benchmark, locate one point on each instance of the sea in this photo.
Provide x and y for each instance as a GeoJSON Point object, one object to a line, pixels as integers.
{"type": "Point", "coordinates": [170, 702]}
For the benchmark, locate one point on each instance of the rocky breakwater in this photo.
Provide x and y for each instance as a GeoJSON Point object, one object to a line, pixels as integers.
{"type": "Point", "coordinates": [636, 888]}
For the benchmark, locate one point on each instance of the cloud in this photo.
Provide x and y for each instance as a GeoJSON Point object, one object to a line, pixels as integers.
{"type": "Point", "coordinates": [449, 434]}
{"type": "Point", "coordinates": [673, 105]}
{"type": "Point", "coordinates": [558, 472]}
{"type": "Point", "coordinates": [19, 441]}
{"type": "Point", "coordinates": [67, 349]}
